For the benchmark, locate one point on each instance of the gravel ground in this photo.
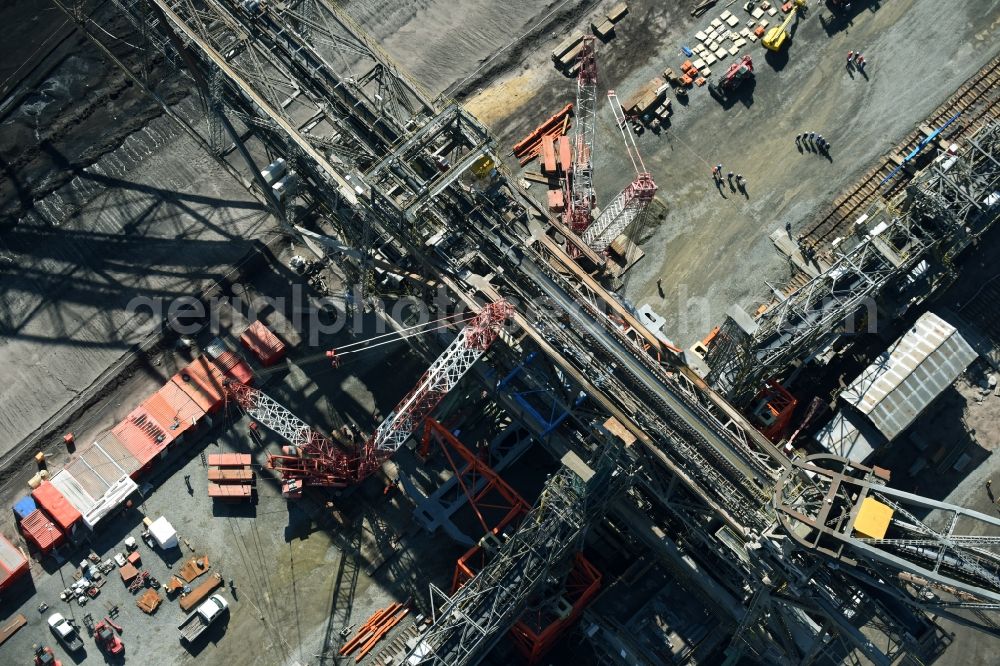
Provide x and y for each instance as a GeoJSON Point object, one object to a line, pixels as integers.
{"type": "Point", "coordinates": [712, 249]}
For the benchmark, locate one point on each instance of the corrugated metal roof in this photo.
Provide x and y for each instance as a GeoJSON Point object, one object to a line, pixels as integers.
{"type": "Point", "coordinates": [97, 469]}
{"type": "Point", "coordinates": [203, 382]}
{"type": "Point", "coordinates": [142, 436]}
{"type": "Point", "coordinates": [11, 558]}
{"type": "Point", "coordinates": [119, 456]}
{"type": "Point", "coordinates": [56, 505]}
{"type": "Point", "coordinates": [37, 527]}
{"type": "Point", "coordinates": [262, 343]}
{"type": "Point", "coordinates": [234, 366]}
{"type": "Point", "coordinates": [73, 491]}
{"type": "Point", "coordinates": [186, 410]}
{"type": "Point", "coordinates": [841, 437]}
{"type": "Point", "coordinates": [163, 413]}
{"type": "Point", "coordinates": [906, 378]}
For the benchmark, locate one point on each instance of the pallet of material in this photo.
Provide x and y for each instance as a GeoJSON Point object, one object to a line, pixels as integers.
{"type": "Point", "coordinates": [567, 44]}
{"type": "Point", "coordinates": [565, 155]}
{"type": "Point", "coordinates": [548, 155]}
{"type": "Point", "coordinates": [230, 490]}
{"type": "Point", "coordinates": [229, 460]}
{"type": "Point", "coordinates": [10, 627]}
{"type": "Point", "coordinates": [230, 474]}
{"type": "Point", "coordinates": [645, 98]}
{"type": "Point", "coordinates": [571, 56]}
{"type": "Point", "coordinates": [200, 593]}
{"type": "Point", "coordinates": [149, 601]}
{"type": "Point", "coordinates": [618, 12]}
{"type": "Point", "coordinates": [194, 567]}
{"type": "Point", "coordinates": [555, 201]}
{"type": "Point", "coordinates": [603, 30]}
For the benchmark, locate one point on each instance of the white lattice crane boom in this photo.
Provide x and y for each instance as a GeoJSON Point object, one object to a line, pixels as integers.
{"type": "Point", "coordinates": [631, 203]}
{"type": "Point", "coordinates": [312, 459]}
{"type": "Point", "coordinates": [443, 374]}
{"type": "Point", "coordinates": [580, 200]}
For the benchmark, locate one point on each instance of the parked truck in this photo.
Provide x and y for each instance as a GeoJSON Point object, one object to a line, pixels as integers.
{"type": "Point", "coordinates": [202, 617]}
{"type": "Point", "coordinates": [65, 632]}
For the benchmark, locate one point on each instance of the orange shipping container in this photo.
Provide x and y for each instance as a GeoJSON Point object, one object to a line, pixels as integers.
{"type": "Point", "coordinates": [263, 344]}
{"type": "Point", "coordinates": [548, 154]}
{"type": "Point", "coordinates": [203, 382]}
{"type": "Point", "coordinates": [41, 531]}
{"type": "Point", "coordinates": [142, 436]}
{"type": "Point", "coordinates": [56, 505]}
{"type": "Point", "coordinates": [13, 564]}
{"type": "Point", "coordinates": [565, 158]}
{"type": "Point", "coordinates": [183, 407]}
{"type": "Point", "coordinates": [234, 366]}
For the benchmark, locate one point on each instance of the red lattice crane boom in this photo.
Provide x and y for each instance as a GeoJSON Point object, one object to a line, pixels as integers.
{"type": "Point", "coordinates": [631, 203]}
{"type": "Point", "coordinates": [580, 195]}
{"type": "Point", "coordinates": [311, 459]}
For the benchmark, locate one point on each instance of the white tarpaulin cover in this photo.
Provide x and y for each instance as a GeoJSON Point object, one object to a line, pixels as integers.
{"type": "Point", "coordinates": [163, 533]}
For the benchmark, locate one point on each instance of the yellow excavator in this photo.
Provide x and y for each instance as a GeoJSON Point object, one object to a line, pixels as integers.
{"type": "Point", "coordinates": [777, 37]}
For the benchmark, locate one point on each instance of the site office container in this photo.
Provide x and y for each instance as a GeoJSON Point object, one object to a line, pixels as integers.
{"type": "Point", "coordinates": [235, 367]}
{"type": "Point", "coordinates": [142, 435]}
{"type": "Point", "coordinates": [204, 383]}
{"type": "Point", "coordinates": [55, 504]}
{"type": "Point", "coordinates": [186, 415]}
{"type": "Point", "coordinates": [13, 564]}
{"type": "Point", "coordinates": [263, 343]}
{"type": "Point", "coordinates": [39, 530]}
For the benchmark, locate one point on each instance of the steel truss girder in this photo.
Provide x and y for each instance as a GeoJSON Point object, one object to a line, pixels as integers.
{"type": "Point", "coordinates": [581, 193]}
{"type": "Point", "coordinates": [470, 622]}
{"type": "Point", "coordinates": [442, 375]}
{"type": "Point", "coordinates": [943, 202]}
{"type": "Point", "coordinates": [962, 570]}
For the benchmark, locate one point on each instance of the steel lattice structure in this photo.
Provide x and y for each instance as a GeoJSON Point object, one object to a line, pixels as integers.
{"type": "Point", "coordinates": [944, 211]}
{"type": "Point", "coordinates": [631, 203]}
{"type": "Point", "coordinates": [473, 619]}
{"type": "Point", "coordinates": [443, 374]}
{"type": "Point", "coordinates": [313, 459]}
{"type": "Point", "coordinates": [273, 72]}
{"type": "Point", "coordinates": [309, 456]}
{"type": "Point", "coordinates": [946, 569]}
{"type": "Point", "coordinates": [580, 202]}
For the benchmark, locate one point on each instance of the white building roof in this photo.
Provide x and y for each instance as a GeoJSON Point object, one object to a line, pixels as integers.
{"type": "Point", "coordinates": [841, 437]}
{"type": "Point", "coordinates": [910, 374]}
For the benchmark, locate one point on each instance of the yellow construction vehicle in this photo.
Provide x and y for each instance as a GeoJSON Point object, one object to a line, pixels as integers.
{"type": "Point", "coordinates": [777, 37]}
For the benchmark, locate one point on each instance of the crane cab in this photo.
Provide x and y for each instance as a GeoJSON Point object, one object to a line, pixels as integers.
{"type": "Point", "coordinates": [777, 38]}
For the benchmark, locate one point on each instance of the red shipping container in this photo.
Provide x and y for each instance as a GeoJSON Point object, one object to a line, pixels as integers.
{"type": "Point", "coordinates": [13, 564]}
{"type": "Point", "coordinates": [142, 436]}
{"type": "Point", "coordinates": [203, 383]}
{"type": "Point", "coordinates": [234, 366]}
{"type": "Point", "coordinates": [41, 531]}
{"type": "Point", "coordinates": [56, 505]}
{"type": "Point", "coordinates": [263, 344]}
{"type": "Point", "coordinates": [548, 154]}
{"type": "Point", "coordinates": [183, 407]}
{"type": "Point", "coordinates": [229, 460]}
{"type": "Point", "coordinates": [565, 158]}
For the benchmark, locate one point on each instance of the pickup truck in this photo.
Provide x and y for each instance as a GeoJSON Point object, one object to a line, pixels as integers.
{"type": "Point", "coordinates": [202, 616]}
{"type": "Point", "coordinates": [65, 632]}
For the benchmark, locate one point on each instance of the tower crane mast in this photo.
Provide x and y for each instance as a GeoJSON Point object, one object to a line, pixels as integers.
{"type": "Point", "coordinates": [631, 203]}
{"type": "Point", "coordinates": [580, 202]}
